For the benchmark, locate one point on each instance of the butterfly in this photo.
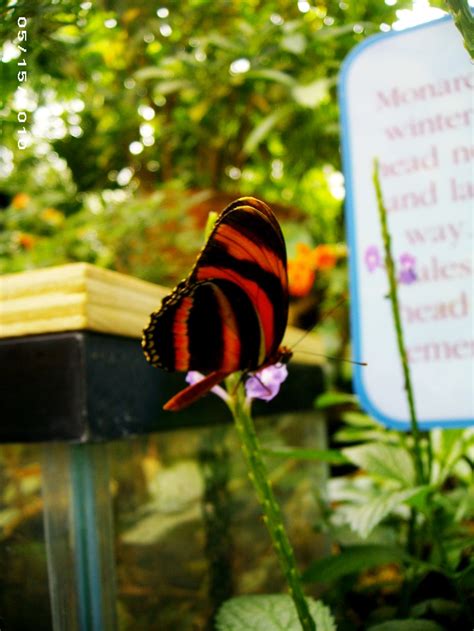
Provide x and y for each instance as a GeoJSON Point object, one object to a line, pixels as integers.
{"type": "Point", "coordinates": [231, 312]}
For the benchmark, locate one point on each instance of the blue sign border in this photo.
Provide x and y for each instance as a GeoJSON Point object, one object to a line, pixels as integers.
{"type": "Point", "coordinates": [358, 382]}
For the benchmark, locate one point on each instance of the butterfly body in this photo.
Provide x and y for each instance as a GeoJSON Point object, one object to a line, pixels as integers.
{"type": "Point", "coordinates": [231, 312]}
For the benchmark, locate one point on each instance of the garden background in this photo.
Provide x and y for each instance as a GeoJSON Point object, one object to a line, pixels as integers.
{"type": "Point", "coordinates": [141, 118]}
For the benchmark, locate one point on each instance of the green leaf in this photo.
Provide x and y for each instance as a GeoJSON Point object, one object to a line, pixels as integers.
{"type": "Point", "coordinates": [329, 399]}
{"type": "Point", "coordinates": [225, 43]}
{"type": "Point", "coordinates": [272, 75]}
{"type": "Point", "coordinates": [260, 131]}
{"type": "Point", "coordinates": [385, 461]}
{"type": "Point", "coordinates": [365, 517]}
{"type": "Point", "coordinates": [332, 456]}
{"type": "Point", "coordinates": [359, 435]}
{"type": "Point", "coordinates": [449, 445]}
{"type": "Point", "coordinates": [294, 43]}
{"type": "Point", "coordinates": [359, 419]}
{"type": "Point", "coordinates": [9, 515]}
{"type": "Point", "coordinates": [322, 616]}
{"type": "Point", "coordinates": [312, 94]}
{"type": "Point", "coordinates": [269, 613]}
{"type": "Point", "coordinates": [438, 606]}
{"type": "Point", "coordinates": [333, 32]}
{"type": "Point", "coordinates": [150, 72]}
{"type": "Point", "coordinates": [419, 499]}
{"type": "Point", "coordinates": [69, 34]}
{"type": "Point", "coordinates": [173, 85]}
{"type": "Point", "coordinates": [408, 624]}
{"type": "Point", "coordinates": [465, 578]}
{"type": "Point", "coordinates": [352, 560]}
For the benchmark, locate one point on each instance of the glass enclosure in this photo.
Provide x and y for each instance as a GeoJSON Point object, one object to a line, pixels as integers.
{"type": "Point", "coordinates": [186, 527]}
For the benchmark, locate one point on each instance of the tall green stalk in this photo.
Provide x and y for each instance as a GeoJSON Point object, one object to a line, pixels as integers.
{"type": "Point", "coordinates": [393, 295]}
{"type": "Point", "coordinates": [462, 16]}
{"type": "Point", "coordinates": [272, 514]}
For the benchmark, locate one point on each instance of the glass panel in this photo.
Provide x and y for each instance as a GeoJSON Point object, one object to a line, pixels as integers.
{"type": "Point", "coordinates": [24, 592]}
{"type": "Point", "coordinates": [56, 482]}
{"type": "Point", "coordinates": [189, 530]}
{"type": "Point", "coordinates": [79, 539]}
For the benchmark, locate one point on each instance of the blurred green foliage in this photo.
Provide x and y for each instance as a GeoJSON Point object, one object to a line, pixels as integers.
{"type": "Point", "coordinates": [404, 551]}
{"type": "Point", "coordinates": [126, 99]}
{"type": "Point", "coordinates": [143, 116]}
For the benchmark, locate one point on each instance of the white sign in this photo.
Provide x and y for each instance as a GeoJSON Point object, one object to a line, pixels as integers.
{"type": "Point", "coordinates": [407, 99]}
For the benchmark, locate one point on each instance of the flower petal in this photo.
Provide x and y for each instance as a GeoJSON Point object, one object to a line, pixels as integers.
{"type": "Point", "coordinates": [265, 384]}
{"type": "Point", "coordinates": [193, 376]}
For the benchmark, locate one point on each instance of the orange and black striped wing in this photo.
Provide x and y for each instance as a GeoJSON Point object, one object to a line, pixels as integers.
{"type": "Point", "coordinates": [206, 326]}
{"type": "Point", "coordinates": [231, 312]}
{"type": "Point", "coordinates": [246, 248]}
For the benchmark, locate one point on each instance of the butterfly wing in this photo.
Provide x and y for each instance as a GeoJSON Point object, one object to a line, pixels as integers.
{"type": "Point", "coordinates": [204, 326]}
{"type": "Point", "coordinates": [246, 247]}
{"type": "Point", "coordinates": [192, 393]}
{"type": "Point", "coordinates": [231, 312]}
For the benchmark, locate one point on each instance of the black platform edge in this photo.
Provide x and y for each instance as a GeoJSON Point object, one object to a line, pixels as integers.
{"type": "Point", "coordinates": [81, 386]}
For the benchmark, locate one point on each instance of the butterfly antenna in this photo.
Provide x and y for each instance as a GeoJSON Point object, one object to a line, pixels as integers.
{"type": "Point", "coordinates": [324, 317]}
{"type": "Point", "coordinates": [336, 359]}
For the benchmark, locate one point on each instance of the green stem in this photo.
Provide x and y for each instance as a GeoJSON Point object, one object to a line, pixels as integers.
{"type": "Point", "coordinates": [464, 21]}
{"type": "Point", "coordinates": [430, 456]}
{"type": "Point", "coordinates": [411, 533]}
{"type": "Point", "coordinates": [393, 295]}
{"type": "Point", "coordinates": [272, 513]}
{"type": "Point", "coordinates": [414, 542]}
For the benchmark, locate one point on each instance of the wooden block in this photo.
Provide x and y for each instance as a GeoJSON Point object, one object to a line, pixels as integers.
{"type": "Point", "coordinates": [81, 296]}
{"type": "Point", "coordinates": [76, 296]}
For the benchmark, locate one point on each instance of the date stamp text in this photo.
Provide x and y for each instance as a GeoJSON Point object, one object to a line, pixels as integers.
{"type": "Point", "coordinates": [22, 76]}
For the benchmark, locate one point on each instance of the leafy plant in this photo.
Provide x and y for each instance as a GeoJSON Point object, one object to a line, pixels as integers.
{"type": "Point", "coordinates": [402, 551]}
{"type": "Point", "coordinates": [269, 613]}
{"type": "Point", "coordinates": [240, 99]}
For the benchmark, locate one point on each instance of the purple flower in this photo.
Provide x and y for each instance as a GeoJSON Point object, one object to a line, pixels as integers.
{"type": "Point", "coordinates": [265, 384]}
{"type": "Point", "coordinates": [407, 274]}
{"type": "Point", "coordinates": [407, 260]}
{"type": "Point", "coordinates": [194, 376]}
{"type": "Point", "coordinates": [373, 258]}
